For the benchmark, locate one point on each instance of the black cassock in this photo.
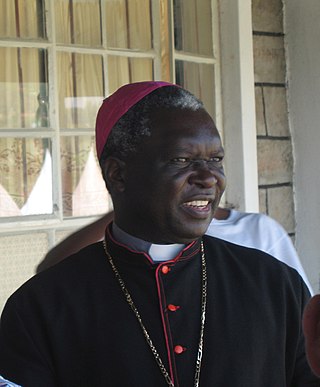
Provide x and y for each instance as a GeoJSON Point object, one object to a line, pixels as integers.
{"type": "Point", "coordinates": [71, 326]}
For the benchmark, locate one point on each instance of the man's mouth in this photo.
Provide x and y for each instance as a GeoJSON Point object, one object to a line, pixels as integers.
{"type": "Point", "coordinates": [199, 209]}
{"type": "Point", "coordinates": [197, 204]}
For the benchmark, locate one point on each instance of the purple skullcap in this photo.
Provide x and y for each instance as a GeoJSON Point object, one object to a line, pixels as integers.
{"type": "Point", "coordinates": [117, 104]}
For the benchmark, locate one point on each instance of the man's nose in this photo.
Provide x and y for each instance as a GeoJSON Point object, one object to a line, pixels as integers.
{"type": "Point", "coordinates": [203, 174]}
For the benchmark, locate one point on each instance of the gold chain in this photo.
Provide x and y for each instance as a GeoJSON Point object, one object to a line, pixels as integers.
{"type": "Point", "coordinates": [145, 332]}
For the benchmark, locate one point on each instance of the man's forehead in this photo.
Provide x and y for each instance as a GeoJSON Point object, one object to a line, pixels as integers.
{"type": "Point", "coordinates": [181, 117]}
{"type": "Point", "coordinates": [181, 131]}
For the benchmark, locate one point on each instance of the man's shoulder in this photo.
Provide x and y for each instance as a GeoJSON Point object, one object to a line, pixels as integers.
{"type": "Point", "coordinates": [251, 270]}
{"type": "Point", "coordinates": [247, 258]}
{"type": "Point", "coordinates": [228, 247]}
{"type": "Point", "coordinates": [85, 259]}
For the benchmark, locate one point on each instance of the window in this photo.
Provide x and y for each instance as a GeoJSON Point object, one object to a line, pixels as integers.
{"type": "Point", "coordinates": [58, 59]}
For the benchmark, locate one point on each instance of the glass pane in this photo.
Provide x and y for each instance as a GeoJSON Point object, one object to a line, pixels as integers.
{"type": "Point", "coordinates": [193, 26]}
{"type": "Point", "coordinates": [83, 189]}
{"type": "Point", "coordinates": [25, 176]}
{"type": "Point", "coordinates": [200, 80]}
{"type": "Point", "coordinates": [128, 24]}
{"type": "Point", "coordinates": [22, 19]}
{"type": "Point", "coordinates": [124, 70]}
{"type": "Point", "coordinates": [78, 22]}
{"type": "Point", "coordinates": [80, 88]}
{"type": "Point", "coordinates": [23, 88]}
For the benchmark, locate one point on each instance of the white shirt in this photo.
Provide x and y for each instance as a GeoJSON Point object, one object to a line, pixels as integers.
{"type": "Point", "coordinates": [261, 232]}
{"type": "Point", "coordinates": [7, 383]}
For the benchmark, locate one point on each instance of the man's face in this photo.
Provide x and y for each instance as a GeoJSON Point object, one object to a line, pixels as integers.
{"type": "Point", "coordinates": [174, 184]}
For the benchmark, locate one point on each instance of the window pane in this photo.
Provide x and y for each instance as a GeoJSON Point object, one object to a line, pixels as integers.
{"type": "Point", "coordinates": [83, 189]}
{"type": "Point", "coordinates": [199, 79]}
{"type": "Point", "coordinates": [25, 176]}
{"type": "Point", "coordinates": [78, 22]}
{"type": "Point", "coordinates": [23, 88]}
{"type": "Point", "coordinates": [193, 26]}
{"type": "Point", "coordinates": [22, 19]}
{"type": "Point", "coordinates": [124, 70]}
{"type": "Point", "coordinates": [129, 24]}
{"type": "Point", "coordinates": [80, 88]}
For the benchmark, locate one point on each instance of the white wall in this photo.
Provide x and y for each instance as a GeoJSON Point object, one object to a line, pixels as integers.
{"type": "Point", "coordinates": [302, 29]}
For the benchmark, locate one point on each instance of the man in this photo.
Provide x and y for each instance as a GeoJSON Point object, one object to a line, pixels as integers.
{"type": "Point", "coordinates": [157, 303]}
{"type": "Point", "coordinates": [311, 328]}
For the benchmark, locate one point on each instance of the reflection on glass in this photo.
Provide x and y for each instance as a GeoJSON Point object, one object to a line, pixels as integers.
{"type": "Point", "coordinates": [25, 176]}
{"type": "Point", "coordinates": [78, 22]}
{"type": "Point", "coordinates": [193, 26]}
{"type": "Point", "coordinates": [23, 88]}
{"type": "Point", "coordinates": [83, 189]}
{"type": "Point", "coordinates": [80, 87]}
{"type": "Point", "coordinates": [22, 19]}
{"type": "Point", "coordinates": [128, 24]}
{"type": "Point", "coordinates": [124, 70]}
{"type": "Point", "coordinates": [199, 79]}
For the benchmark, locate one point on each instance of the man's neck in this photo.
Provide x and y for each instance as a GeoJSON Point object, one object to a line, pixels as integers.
{"type": "Point", "coordinates": [158, 253]}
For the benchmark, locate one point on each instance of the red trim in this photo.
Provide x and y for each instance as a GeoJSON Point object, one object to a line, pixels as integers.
{"type": "Point", "coordinates": [174, 260]}
{"type": "Point", "coordinates": [127, 247]}
{"type": "Point", "coordinates": [163, 320]}
{"type": "Point", "coordinates": [161, 295]}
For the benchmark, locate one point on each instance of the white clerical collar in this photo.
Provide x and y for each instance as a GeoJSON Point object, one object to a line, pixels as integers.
{"type": "Point", "coordinates": [158, 253]}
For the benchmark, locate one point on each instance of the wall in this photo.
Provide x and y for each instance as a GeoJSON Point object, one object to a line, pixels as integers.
{"type": "Point", "coordinates": [273, 136]}
{"type": "Point", "coordinates": [302, 35]}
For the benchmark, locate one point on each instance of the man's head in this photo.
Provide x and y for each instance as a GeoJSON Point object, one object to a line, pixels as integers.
{"type": "Point", "coordinates": [162, 163]}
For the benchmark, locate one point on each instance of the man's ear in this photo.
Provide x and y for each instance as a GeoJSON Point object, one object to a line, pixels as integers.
{"type": "Point", "coordinates": [311, 329]}
{"type": "Point", "coordinates": [114, 174]}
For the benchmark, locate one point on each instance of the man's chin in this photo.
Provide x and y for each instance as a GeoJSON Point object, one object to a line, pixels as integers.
{"type": "Point", "coordinates": [186, 236]}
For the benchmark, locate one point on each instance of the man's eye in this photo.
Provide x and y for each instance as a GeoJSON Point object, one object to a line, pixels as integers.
{"type": "Point", "coordinates": [216, 159]}
{"type": "Point", "coordinates": [181, 160]}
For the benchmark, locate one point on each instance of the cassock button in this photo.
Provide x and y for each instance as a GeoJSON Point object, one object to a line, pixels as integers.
{"type": "Point", "coordinates": [178, 349]}
{"type": "Point", "coordinates": [173, 308]}
{"type": "Point", "coordinates": [165, 269]}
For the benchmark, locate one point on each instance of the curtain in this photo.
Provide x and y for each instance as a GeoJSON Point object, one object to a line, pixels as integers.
{"type": "Point", "coordinates": [128, 24]}
{"type": "Point", "coordinates": [21, 159]}
{"type": "Point", "coordinates": [193, 34]}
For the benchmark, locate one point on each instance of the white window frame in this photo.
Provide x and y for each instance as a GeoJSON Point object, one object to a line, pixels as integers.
{"type": "Point", "coordinates": [238, 104]}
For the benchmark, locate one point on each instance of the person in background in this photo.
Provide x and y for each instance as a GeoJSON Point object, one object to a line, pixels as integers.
{"type": "Point", "coordinates": [258, 231]}
{"type": "Point", "coordinates": [7, 383]}
{"type": "Point", "coordinates": [311, 328]}
{"type": "Point", "coordinates": [157, 302]}
{"type": "Point", "coordinates": [254, 230]}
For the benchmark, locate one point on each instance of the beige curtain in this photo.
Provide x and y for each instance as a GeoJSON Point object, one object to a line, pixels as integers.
{"type": "Point", "coordinates": [193, 26]}
{"type": "Point", "coordinates": [20, 159]}
{"type": "Point", "coordinates": [78, 22]}
{"type": "Point", "coordinates": [80, 89]}
{"type": "Point", "coordinates": [193, 22]}
{"type": "Point", "coordinates": [19, 19]}
{"type": "Point", "coordinates": [128, 24]}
